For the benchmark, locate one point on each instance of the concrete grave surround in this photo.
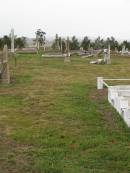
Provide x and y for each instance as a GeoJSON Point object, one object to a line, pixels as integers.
{"type": "Point", "coordinates": [118, 97]}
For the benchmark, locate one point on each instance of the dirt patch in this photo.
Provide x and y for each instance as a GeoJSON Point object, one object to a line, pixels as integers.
{"type": "Point", "coordinates": [100, 96]}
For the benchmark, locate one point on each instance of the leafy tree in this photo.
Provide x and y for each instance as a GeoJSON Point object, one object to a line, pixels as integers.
{"type": "Point", "coordinates": [7, 40]}
{"type": "Point", "coordinates": [74, 44]}
{"type": "Point", "coordinates": [99, 43]}
{"type": "Point", "coordinates": [1, 43]}
{"type": "Point", "coordinates": [41, 37]}
{"type": "Point", "coordinates": [60, 43]}
{"type": "Point", "coordinates": [85, 43]}
{"type": "Point", "coordinates": [63, 46]}
{"type": "Point", "coordinates": [20, 42]}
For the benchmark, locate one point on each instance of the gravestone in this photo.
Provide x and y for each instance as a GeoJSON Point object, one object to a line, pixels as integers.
{"type": "Point", "coordinates": [67, 57]}
{"type": "Point", "coordinates": [5, 74]}
{"type": "Point", "coordinates": [116, 50]}
{"type": "Point", "coordinates": [37, 43]}
{"type": "Point", "coordinates": [12, 40]}
{"type": "Point", "coordinates": [57, 47]}
{"type": "Point", "coordinates": [107, 55]}
{"type": "Point", "coordinates": [123, 51]}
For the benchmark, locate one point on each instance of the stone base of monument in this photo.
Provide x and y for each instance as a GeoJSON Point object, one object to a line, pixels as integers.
{"type": "Point", "coordinates": [98, 61]}
{"type": "Point", "coordinates": [87, 56]}
{"type": "Point", "coordinates": [26, 50]}
{"type": "Point", "coordinates": [55, 56]}
{"type": "Point", "coordinates": [119, 97]}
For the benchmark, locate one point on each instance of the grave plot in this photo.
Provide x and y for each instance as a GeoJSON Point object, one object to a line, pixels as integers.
{"type": "Point", "coordinates": [64, 53]}
{"type": "Point", "coordinates": [89, 53]}
{"type": "Point", "coordinates": [53, 54]}
{"type": "Point", "coordinates": [31, 50]}
{"type": "Point", "coordinates": [106, 57]}
{"type": "Point", "coordinates": [118, 97]}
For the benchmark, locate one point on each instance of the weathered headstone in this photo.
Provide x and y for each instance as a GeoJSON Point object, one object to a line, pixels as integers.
{"type": "Point", "coordinates": [107, 55]}
{"type": "Point", "coordinates": [61, 45]}
{"type": "Point", "coordinates": [67, 57]}
{"type": "Point", "coordinates": [99, 83]}
{"type": "Point", "coordinates": [116, 50]}
{"type": "Point", "coordinates": [12, 41]}
{"type": "Point", "coordinates": [5, 74]}
{"type": "Point", "coordinates": [57, 46]}
{"type": "Point", "coordinates": [37, 43]}
{"type": "Point", "coordinates": [123, 51]}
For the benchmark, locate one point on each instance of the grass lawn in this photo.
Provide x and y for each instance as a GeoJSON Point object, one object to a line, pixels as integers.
{"type": "Point", "coordinates": [54, 120]}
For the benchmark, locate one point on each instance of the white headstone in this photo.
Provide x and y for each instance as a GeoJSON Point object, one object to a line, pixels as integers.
{"type": "Point", "coordinates": [123, 50]}
{"type": "Point", "coordinates": [107, 55]}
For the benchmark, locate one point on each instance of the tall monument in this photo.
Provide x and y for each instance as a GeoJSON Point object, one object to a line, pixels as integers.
{"type": "Point", "coordinates": [12, 40]}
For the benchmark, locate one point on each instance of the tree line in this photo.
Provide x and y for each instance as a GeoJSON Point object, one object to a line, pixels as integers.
{"type": "Point", "coordinates": [75, 44]}
{"type": "Point", "coordinates": [19, 42]}
{"type": "Point", "coordinates": [98, 43]}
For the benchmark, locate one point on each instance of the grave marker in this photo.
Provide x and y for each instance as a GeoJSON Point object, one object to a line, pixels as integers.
{"type": "Point", "coordinates": [5, 74]}
{"type": "Point", "coordinates": [12, 41]}
{"type": "Point", "coordinates": [67, 57]}
{"type": "Point", "coordinates": [107, 55]}
{"type": "Point", "coordinates": [123, 51]}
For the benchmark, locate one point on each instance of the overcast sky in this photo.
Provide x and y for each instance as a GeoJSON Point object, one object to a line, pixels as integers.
{"type": "Point", "coordinates": [66, 17]}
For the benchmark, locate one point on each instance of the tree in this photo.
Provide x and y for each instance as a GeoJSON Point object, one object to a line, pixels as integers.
{"type": "Point", "coordinates": [85, 43]}
{"type": "Point", "coordinates": [74, 44]}
{"type": "Point", "coordinates": [63, 46]}
{"type": "Point", "coordinates": [60, 43]}
{"type": "Point", "coordinates": [6, 40]}
{"type": "Point", "coordinates": [1, 43]}
{"type": "Point", "coordinates": [40, 37]}
{"type": "Point", "coordinates": [99, 43]}
{"type": "Point", "coordinates": [20, 42]}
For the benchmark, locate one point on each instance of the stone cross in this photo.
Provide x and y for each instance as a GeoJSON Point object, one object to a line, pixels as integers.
{"type": "Point", "coordinates": [12, 40]}
{"type": "Point", "coordinates": [5, 74]}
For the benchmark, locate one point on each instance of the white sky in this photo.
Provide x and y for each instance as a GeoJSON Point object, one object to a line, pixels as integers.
{"type": "Point", "coordinates": [66, 17]}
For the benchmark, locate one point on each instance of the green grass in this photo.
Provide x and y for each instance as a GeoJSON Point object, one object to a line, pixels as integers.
{"type": "Point", "coordinates": [54, 120]}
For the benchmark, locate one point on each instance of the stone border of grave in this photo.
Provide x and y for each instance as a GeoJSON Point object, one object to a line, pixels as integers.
{"type": "Point", "coordinates": [31, 50]}
{"type": "Point", "coordinates": [118, 97]}
{"type": "Point", "coordinates": [55, 56]}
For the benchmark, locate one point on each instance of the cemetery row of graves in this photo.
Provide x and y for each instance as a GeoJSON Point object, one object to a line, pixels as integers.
{"type": "Point", "coordinates": [62, 48]}
{"type": "Point", "coordinates": [55, 115]}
